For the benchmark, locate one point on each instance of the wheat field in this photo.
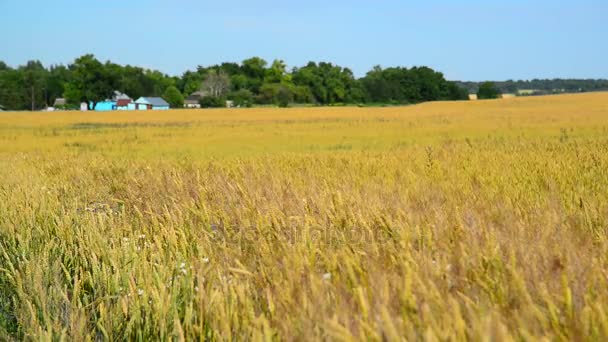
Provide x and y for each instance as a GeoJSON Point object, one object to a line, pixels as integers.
{"type": "Point", "coordinates": [444, 221]}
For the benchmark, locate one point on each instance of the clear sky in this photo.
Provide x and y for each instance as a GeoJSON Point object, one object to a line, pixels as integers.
{"type": "Point", "coordinates": [466, 40]}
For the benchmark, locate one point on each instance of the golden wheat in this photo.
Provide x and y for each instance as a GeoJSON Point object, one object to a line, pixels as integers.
{"type": "Point", "coordinates": [442, 221]}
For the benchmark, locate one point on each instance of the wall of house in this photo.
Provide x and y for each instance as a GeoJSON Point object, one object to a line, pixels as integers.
{"type": "Point", "coordinates": [105, 106]}
{"type": "Point", "coordinates": [160, 108]}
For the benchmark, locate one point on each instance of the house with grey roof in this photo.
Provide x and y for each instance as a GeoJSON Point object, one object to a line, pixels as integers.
{"type": "Point", "coordinates": [194, 100]}
{"type": "Point", "coordinates": [120, 96]}
{"type": "Point", "coordinates": [149, 103]}
{"type": "Point", "coordinates": [59, 102]}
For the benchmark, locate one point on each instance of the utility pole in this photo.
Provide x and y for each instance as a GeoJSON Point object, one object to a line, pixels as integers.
{"type": "Point", "coordinates": [33, 104]}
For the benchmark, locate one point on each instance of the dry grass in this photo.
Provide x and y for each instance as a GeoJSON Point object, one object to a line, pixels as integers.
{"type": "Point", "coordinates": [444, 221]}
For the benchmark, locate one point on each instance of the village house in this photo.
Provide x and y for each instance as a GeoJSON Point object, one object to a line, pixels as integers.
{"type": "Point", "coordinates": [59, 103]}
{"type": "Point", "coordinates": [123, 104]}
{"type": "Point", "coordinates": [120, 96]}
{"type": "Point", "coordinates": [149, 103]}
{"type": "Point", "coordinates": [104, 106]}
{"type": "Point", "coordinates": [119, 101]}
{"type": "Point", "coordinates": [194, 100]}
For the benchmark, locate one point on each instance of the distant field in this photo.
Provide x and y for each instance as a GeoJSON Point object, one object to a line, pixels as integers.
{"type": "Point", "coordinates": [440, 221]}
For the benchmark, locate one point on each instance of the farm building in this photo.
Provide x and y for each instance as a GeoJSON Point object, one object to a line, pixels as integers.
{"type": "Point", "coordinates": [193, 101]}
{"type": "Point", "coordinates": [104, 106]}
{"type": "Point", "coordinates": [507, 96]}
{"type": "Point", "coordinates": [120, 96]}
{"type": "Point", "coordinates": [526, 91]}
{"type": "Point", "coordinates": [123, 104]}
{"type": "Point", "coordinates": [59, 102]}
{"type": "Point", "coordinates": [473, 97]}
{"type": "Point", "coordinates": [150, 103]}
{"type": "Point", "coordinates": [1, 108]}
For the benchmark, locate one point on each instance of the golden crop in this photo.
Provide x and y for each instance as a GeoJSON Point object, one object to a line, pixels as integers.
{"type": "Point", "coordinates": [441, 221]}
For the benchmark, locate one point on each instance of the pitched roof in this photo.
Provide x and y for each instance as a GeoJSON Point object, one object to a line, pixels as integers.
{"type": "Point", "coordinates": [120, 96]}
{"type": "Point", "coordinates": [123, 102]}
{"type": "Point", "coordinates": [195, 97]}
{"type": "Point", "coordinates": [154, 101]}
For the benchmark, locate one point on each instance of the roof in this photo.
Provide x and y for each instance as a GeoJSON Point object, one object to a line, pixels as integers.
{"type": "Point", "coordinates": [195, 97]}
{"type": "Point", "coordinates": [120, 96]}
{"type": "Point", "coordinates": [154, 101]}
{"type": "Point", "coordinates": [123, 102]}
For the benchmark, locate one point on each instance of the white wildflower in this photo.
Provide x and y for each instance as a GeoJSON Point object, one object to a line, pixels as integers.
{"type": "Point", "coordinates": [140, 292]}
{"type": "Point", "coordinates": [327, 276]}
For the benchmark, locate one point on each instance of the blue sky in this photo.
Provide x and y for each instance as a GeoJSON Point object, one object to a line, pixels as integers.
{"type": "Point", "coordinates": [466, 40]}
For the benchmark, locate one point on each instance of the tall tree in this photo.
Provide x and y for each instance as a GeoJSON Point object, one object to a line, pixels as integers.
{"type": "Point", "coordinates": [34, 80]}
{"type": "Point", "coordinates": [488, 90]}
{"type": "Point", "coordinates": [174, 97]}
{"type": "Point", "coordinates": [91, 81]}
{"type": "Point", "coordinates": [217, 83]}
{"type": "Point", "coordinates": [277, 72]}
{"type": "Point", "coordinates": [255, 70]}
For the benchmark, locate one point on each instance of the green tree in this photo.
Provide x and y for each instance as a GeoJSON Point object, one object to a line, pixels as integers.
{"type": "Point", "coordinates": [488, 90]}
{"type": "Point", "coordinates": [241, 97]}
{"type": "Point", "coordinates": [34, 81]}
{"type": "Point", "coordinates": [276, 93]}
{"type": "Point", "coordinates": [284, 97]}
{"type": "Point", "coordinates": [452, 91]}
{"type": "Point", "coordinates": [91, 81]}
{"type": "Point", "coordinates": [12, 93]}
{"type": "Point", "coordinates": [212, 102]}
{"type": "Point", "coordinates": [173, 96]}
{"type": "Point", "coordinates": [190, 82]}
{"type": "Point", "coordinates": [255, 70]}
{"type": "Point", "coordinates": [58, 77]}
{"type": "Point", "coordinates": [277, 73]}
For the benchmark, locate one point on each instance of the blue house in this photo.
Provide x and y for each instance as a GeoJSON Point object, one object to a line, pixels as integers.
{"type": "Point", "coordinates": [151, 103]}
{"type": "Point", "coordinates": [104, 106]}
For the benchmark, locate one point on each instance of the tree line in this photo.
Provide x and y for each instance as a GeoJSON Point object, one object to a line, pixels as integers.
{"type": "Point", "coordinates": [254, 81]}
{"type": "Point", "coordinates": [540, 86]}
